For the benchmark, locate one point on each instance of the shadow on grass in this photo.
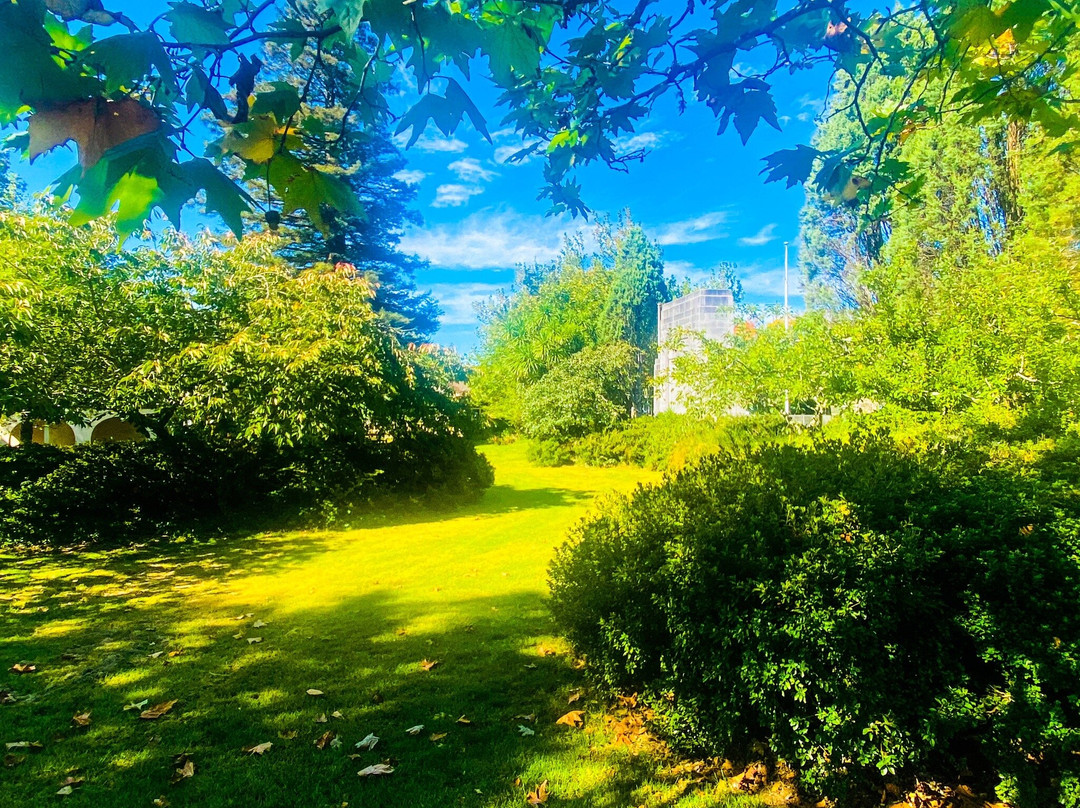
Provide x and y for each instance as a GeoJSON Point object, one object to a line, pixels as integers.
{"type": "Point", "coordinates": [363, 655]}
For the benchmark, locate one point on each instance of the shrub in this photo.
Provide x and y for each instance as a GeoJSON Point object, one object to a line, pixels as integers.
{"type": "Point", "coordinates": [868, 612]}
{"type": "Point", "coordinates": [119, 492]}
{"type": "Point", "coordinates": [549, 453]}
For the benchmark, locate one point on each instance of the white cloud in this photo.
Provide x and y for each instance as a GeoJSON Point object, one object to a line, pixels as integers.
{"type": "Point", "coordinates": [488, 239]}
{"type": "Point", "coordinates": [814, 103]}
{"type": "Point", "coordinates": [762, 237]}
{"type": "Point", "coordinates": [469, 169]}
{"type": "Point", "coordinates": [432, 143]}
{"type": "Point", "coordinates": [411, 176]}
{"type": "Point", "coordinates": [706, 227]}
{"type": "Point", "coordinates": [759, 280]}
{"type": "Point", "coordinates": [458, 300]}
{"type": "Point", "coordinates": [624, 144]}
{"type": "Point", "coordinates": [452, 195]}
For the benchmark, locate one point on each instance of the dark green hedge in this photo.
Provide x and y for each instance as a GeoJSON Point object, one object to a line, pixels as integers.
{"type": "Point", "coordinates": [121, 492]}
{"type": "Point", "coordinates": [870, 613]}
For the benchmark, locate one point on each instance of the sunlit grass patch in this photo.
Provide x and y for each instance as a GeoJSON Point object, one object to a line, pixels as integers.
{"type": "Point", "coordinates": [349, 615]}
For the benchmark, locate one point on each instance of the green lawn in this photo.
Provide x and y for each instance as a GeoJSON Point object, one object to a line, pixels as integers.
{"type": "Point", "coordinates": [350, 613]}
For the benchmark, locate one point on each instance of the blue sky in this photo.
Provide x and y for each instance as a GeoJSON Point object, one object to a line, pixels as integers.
{"type": "Point", "coordinates": [697, 193]}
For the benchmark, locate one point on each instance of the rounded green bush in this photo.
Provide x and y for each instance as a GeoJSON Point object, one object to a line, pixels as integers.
{"type": "Point", "coordinates": [869, 613]}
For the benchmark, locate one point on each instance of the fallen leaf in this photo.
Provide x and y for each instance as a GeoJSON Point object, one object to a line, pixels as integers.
{"type": "Point", "coordinates": [376, 769]}
{"type": "Point", "coordinates": [30, 746]}
{"type": "Point", "coordinates": [155, 655]}
{"type": "Point", "coordinates": [81, 720]}
{"type": "Point", "coordinates": [629, 702]}
{"type": "Point", "coordinates": [415, 730]}
{"type": "Point", "coordinates": [95, 124]}
{"type": "Point", "coordinates": [253, 640]}
{"type": "Point", "coordinates": [161, 802]}
{"type": "Point", "coordinates": [11, 761]}
{"type": "Point", "coordinates": [314, 692]}
{"type": "Point", "coordinates": [324, 740]}
{"type": "Point", "coordinates": [368, 742]}
{"type": "Point", "coordinates": [67, 656]}
{"type": "Point", "coordinates": [429, 664]}
{"type": "Point", "coordinates": [259, 748]}
{"type": "Point", "coordinates": [438, 736]}
{"type": "Point", "coordinates": [336, 714]}
{"type": "Point", "coordinates": [335, 743]}
{"type": "Point", "coordinates": [7, 697]}
{"type": "Point", "coordinates": [183, 772]}
{"type": "Point", "coordinates": [531, 666]}
{"type": "Point", "coordinates": [525, 731]}
{"type": "Point", "coordinates": [574, 697]}
{"type": "Point", "coordinates": [288, 734]}
{"type": "Point", "coordinates": [157, 710]}
{"type": "Point", "coordinates": [463, 720]}
{"type": "Point", "coordinates": [174, 654]}
{"type": "Point", "coordinates": [65, 791]}
{"type": "Point", "coordinates": [322, 719]}
{"type": "Point", "coordinates": [137, 705]}
{"type": "Point", "coordinates": [539, 795]}
{"type": "Point", "coordinates": [23, 667]}
{"type": "Point", "coordinates": [530, 717]}
{"type": "Point", "coordinates": [74, 782]}
{"type": "Point", "coordinates": [258, 624]}
{"type": "Point", "coordinates": [574, 718]}
{"type": "Point", "coordinates": [243, 616]}
{"type": "Point", "coordinates": [546, 650]}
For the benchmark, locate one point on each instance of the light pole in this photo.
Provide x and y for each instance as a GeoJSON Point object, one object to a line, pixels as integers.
{"type": "Point", "coordinates": [787, 402]}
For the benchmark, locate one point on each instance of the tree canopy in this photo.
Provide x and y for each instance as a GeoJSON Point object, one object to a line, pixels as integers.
{"type": "Point", "coordinates": [572, 75]}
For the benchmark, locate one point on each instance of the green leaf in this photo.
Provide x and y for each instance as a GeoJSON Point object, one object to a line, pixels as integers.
{"type": "Point", "coordinates": [794, 165]}
{"type": "Point", "coordinates": [307, 189]}
{"type": "Point", "coordinates": [197, 25]}
{"type": "Point", "coordinates": [283, 101]}
{"type": "Point", "coordinates": [348, 13]}
{"type": "Point", "coordinates": [127, 59]}
{"type": "Point", "coordinates": [511, 52]}
{"type": "Point", "coordinates": [223, 196]}
{"type": "Point", "coordinates": [201, 93]}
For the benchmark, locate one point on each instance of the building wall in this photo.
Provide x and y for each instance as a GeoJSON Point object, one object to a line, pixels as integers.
{"type": "Point", "coordinates": [706, 313]}
{"type": "Point", "coordinates": [102, 427]}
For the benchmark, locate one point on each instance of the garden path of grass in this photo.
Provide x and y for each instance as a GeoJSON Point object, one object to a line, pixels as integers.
{"type": "Point", "coordinates": [351, 613]}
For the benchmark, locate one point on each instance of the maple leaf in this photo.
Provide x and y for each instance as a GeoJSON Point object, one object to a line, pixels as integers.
{"type": "Point", "coordinates": [429, 664]}
{"type": "Point", "coordinates": [253, 640]}
{"type": "Point", "coordinates": [155, 655]}
{"type": "Point", "coordinates": [258, 624]}
{"type": "Point", "coordinates": [530, 717]}
{"type": "Point", "coordinates": [157, 710]}
{"type": "Point", "coordinates": [95, 124]}
{"type": "Point", "coordinates": [81, 720]}
{"type": "Point", "coordinates": [574, 697]}
{"type": "Point", "coordinates": [288, 734]}
{"type": "Point", "coordinates": [259, 748]}
{"type": "Point", "coordinates": [415, 730]}
{"type": "Point", "coordinates": [73, 782]}
{"type": "Point", "coordinates": [183, 772]}
{"type": "Point", "coordinates": [322, 719]}
{"type": "Point", "coordinates": [437, 736]}
{"type": "Point", "coordinates": [368, 742]}
{"type": "Point", "coordinates": [525, 731]}
{"type": "Point", "coordinates": [23, 667]}
{"type": "Point", "coordinates": [336, 714]}
{"type": "Point", "coordinates": [136, 705]}
{"type": "Point", "coordinates": [574, 718]}
{"type": "Point", "coordinates": [324, 740]}
{"type": "Point", "coordinates": [314, 692]}
{"type": "Point", "coordinates": [539, 795]}
{"type": "Point", "coordinates": [376, 769]}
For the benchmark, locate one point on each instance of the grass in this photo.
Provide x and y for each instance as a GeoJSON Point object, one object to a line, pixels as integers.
{"type": "Point", "coordinates": [350, 613]}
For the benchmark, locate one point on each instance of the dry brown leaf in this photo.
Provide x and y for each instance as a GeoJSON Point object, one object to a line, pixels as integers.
{"type": "Point", "coordinates": [324, 740]}
{"type": "Point", "coordinates": [259, 748]}
{"type": "Point", "coordinates": [546, 650]}
{"type": "Point", "coordinates": [183, 772]}
{"type": "Point", "coordinates": [288, 734]}
{"type": "Point", "coordinates": [429, 664]}
{"type": "Point", "coordinates": [81, 720]}
{"type": "Point", "coordinates": [628, 702]}
{"type": "Point", "coordinates": [314, 692]}
{"type": "Point", "coordinates": [11, 761]}
{"type": "Point", "coordinates": [463, 720]}
{"type": "Point", "coordinates": [322, 719]}
{"type": "Point", "coordinates": [29, 746]}
{"type": "Point", "coordinates": [7, 697]}
{"type": "Point", "coordinates": [157, 710]}
{"type": "Point", "coordinates": [95, 124]}
{"type": "Point", "coordinates": [176, 653]}
{"type": "Point", "coordinates": [376, 769]}
{"type": "Point", "coordinates": [574, 718]}
{"type": "Point", "coordinates": [525, 717]}
{"type": "Point", "coordinates": [539, 795]}
{"type": "Point", "coordinates": [437, 736]}
{"type": "Point", "coordinates": [23, 667]}
{"type": "Point", "coordinates": [574, 697]}
{"type": "Point", "coordinates": [74, 782]}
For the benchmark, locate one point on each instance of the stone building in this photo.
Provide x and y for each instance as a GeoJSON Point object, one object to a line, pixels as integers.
{"type": "Point", "coordinates": [706, 313]}
{"type": "Point", "coordinates": [101, 428]}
